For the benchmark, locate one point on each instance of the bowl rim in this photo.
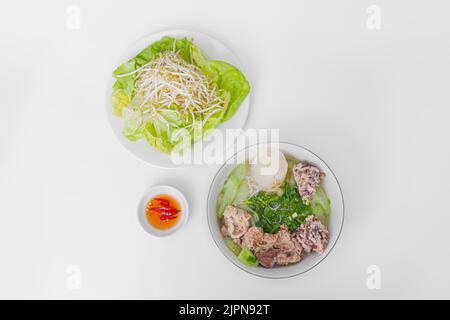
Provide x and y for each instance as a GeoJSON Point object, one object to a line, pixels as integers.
{"type": "Point", "coordinates": [235, 262]}
{"type": "Point", "coordinates": [172, 191]}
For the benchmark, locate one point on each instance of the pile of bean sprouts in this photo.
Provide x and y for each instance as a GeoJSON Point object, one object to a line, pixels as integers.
{"type": "Point", "coordinates": [168, 83]}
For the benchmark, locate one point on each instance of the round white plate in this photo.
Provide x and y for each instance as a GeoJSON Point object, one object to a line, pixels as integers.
{"type": "Point", "coordinates": [331, 186]}
{"type": "Point", "coordinates": [214, 50]}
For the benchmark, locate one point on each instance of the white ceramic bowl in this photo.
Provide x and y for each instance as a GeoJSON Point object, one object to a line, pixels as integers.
{"type": "Point", "coordinates": [214, 50]}
{"type": "Point", "coordinates": [331, 186]}
{"type": "Point", "coordinates": [158, 190]}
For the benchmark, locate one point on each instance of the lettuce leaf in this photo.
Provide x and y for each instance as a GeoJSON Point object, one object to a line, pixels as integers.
{"type": "Point", "coordinates": [233, 246]}
{"type": "Point", "coordinates": [182, 47]}
{"type": "Point", "coordinates": [231, 188]}
{"type": "Point", "coordinates": [247, 257]}
{"type": "Point", "coordinates": [226, 76]}
{"type": "Point", "coordinates": [119, 100]}
{"type": "Point", "coordinates": [232, 80]}
{"type": "Point", "coordinates": [321, 205]}
{"type": "Point", "coordinates": [123, 87]}
{"type": "Point", "coordinates": [133, 125]}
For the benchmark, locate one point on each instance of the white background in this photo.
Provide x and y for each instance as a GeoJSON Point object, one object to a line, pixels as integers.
{"type": "Point", "coordinates": [374, 104]}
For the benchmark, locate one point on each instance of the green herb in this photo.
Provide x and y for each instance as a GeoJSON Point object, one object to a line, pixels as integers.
{"type": "Point", "coordinates": [271, 210]}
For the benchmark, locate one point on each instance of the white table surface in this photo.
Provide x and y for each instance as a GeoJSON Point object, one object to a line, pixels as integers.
{"type": "Point", "coordinates": [374, 104]}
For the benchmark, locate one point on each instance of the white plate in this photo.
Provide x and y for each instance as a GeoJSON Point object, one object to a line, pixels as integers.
{"type": "Point", "coordinates": [331, 186]}
{"type": "Point", "coordinates": [214, 50]}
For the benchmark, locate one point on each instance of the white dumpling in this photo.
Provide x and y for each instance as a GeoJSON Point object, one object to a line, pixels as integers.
{"type": "Point", "coordinates": [268, 168]}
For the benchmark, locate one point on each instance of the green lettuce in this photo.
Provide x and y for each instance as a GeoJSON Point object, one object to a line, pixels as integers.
{"type": "Point", "coordinates": [231, 188]}
{"type": "Point", "coordinates": [321, 205]}
{"type": "Point", "coordinates": [233, 246]}
{"type": "Point", "coordinates": [232, 80]}
{"type": "Point", "coordinates": [247, 257]}
{"type": "Point", "coordinates": [161, 133]}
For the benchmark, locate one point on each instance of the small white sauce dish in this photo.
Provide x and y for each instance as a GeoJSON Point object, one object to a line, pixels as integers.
{"type": "Point", "coordinates": [162, 190]}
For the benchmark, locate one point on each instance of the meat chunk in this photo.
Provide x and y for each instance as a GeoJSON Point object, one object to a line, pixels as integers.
{"type": "Point", "coordinates": [236, 222]}
{"type": "Point", "coordinates": [252, 238]}
{"type": "Point", "coordinates": [277, 249]}
{"type": "Point", "coordinates": [313, 235]}
{"type": "Point", "coordinates": [289, 255]}
{"type": "Point", "coordinates": [308, 179]}
{"type": "Point", "coordinates": [267, 258]}
{"type": "Point", "coordinates": [281, 254]}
